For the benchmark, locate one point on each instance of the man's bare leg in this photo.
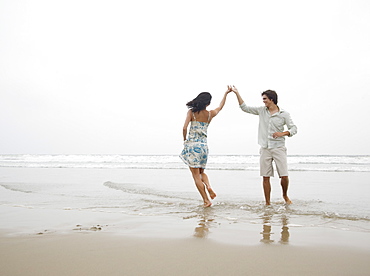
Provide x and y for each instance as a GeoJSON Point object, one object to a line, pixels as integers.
{"type": "Point", "coordinates": [284, 185]}
{"type": "Point", "coordinates": [267, 189]}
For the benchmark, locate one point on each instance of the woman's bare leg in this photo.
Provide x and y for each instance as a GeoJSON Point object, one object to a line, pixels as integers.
{"type": "Point", "coordinates": [200, 186]}
{"type": "Point", "coordinates": [205, 180]}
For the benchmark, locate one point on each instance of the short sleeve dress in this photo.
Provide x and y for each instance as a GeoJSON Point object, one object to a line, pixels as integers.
{"type": "Point", "coordinates": [195, 152]}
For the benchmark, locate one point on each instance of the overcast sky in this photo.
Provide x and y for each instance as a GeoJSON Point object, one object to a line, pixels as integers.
{"type": "Point", "coordinates": [113, 77]}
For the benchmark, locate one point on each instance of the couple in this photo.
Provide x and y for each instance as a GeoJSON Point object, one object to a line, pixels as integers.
{"type": "Point", "coordinates": [270, 137]}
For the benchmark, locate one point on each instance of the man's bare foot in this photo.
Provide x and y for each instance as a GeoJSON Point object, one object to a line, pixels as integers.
{"type": "Point", "coordinates": [287, 200]}
{"type": "Point", "coordinates": [207, 204]}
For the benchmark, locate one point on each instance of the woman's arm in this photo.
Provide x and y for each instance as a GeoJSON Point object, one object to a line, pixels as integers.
{"type": "Point", "coordinates": [222, 103]}
{"type": "Point", "coordinates": [185, 127]}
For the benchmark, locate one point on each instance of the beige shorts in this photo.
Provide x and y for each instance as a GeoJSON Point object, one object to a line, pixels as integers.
{"type": "Point", "coordinates": [279, 156]}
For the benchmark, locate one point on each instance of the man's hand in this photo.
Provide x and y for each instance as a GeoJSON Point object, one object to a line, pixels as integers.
{"type": "Point", "coordinates": [280, 134]}
{"type": "Point", "coordinates": [235, 90]}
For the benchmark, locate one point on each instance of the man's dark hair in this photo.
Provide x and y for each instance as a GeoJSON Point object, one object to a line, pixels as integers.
{"type": "Point", "coordinates": [272, 95]}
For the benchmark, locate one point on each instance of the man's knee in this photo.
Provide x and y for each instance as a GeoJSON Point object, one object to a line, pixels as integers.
{"type": "Point", "coordinates": [284, 180]}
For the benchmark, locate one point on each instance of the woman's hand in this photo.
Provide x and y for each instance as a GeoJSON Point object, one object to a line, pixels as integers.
{"type": "Point", "coordinates": [234, 89]}
{"type": "Point", "coordinates": [229, 89]}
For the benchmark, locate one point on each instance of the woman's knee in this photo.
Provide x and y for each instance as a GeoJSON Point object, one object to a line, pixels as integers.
{"type": "Point", "coordinates": [195, 172]}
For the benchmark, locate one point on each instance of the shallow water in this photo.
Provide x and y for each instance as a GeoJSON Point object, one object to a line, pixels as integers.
{"type": "Point", "coordinates": [320, 199]}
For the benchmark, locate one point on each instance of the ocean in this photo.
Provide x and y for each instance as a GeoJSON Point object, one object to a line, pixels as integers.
{"type": "Point", "coordinates": [328, 192]}
{"type": "Point", "coordinates": [322, 163]}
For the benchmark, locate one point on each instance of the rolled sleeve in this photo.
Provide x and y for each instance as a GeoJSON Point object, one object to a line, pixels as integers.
{"type": "Point", "coordinates": [250, 109]}
{"type": "Point", "coordinates": [292, 128]}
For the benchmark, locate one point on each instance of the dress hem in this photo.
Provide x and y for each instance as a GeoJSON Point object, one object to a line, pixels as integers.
{"type": "Point", "coordinates": [194, 167]}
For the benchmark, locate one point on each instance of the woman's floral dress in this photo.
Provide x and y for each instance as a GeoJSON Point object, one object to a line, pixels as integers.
{"type": "Point", "coordinates": [195, 152]}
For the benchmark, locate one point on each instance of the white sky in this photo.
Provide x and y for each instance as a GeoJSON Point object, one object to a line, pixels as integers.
{"type": "Point", "coordinates": [114, 76]}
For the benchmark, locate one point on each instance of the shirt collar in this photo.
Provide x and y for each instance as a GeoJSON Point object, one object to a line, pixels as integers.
{"type": "Point", "coordinates": [277, 113]}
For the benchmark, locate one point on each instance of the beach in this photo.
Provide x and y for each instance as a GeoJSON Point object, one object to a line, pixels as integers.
{"type": "Point", "coordinates": [102, 254]}
{"type": "Point", "coordinates": [88, 221]}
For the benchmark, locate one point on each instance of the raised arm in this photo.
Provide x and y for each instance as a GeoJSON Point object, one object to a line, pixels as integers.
{"type": "Point", "coordinates": [235, 90]}
{"type": "Point", "coordinates": [222, 103]}
{"type": "Point", "coordinates": [243, 106]}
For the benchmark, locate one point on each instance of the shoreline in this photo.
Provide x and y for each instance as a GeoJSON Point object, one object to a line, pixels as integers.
{"type": "Point", "coordinates": [59, 200]}
{"type": "Point", "coordinates": [44, 222]}
{"type": "Point", "coordinates": [71, 222]}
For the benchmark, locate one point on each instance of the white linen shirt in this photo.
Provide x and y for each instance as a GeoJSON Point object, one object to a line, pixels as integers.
{"type": "Point", "coordinates": [269, 124]}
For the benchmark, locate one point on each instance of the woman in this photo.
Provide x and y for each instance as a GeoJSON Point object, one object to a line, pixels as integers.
{"type": "Point", "coordinates": [195, 150]}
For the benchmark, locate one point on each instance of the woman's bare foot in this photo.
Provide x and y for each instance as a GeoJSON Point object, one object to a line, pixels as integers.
{"type": "Point", "coordinates": [212, 194]}
{"type": "Point", "coordinates": [207, 204]}
{"type": "Point", "coordinates": [287, 200]}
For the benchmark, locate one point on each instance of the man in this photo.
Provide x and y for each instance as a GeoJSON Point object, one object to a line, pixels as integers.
{"type": "Point", "coordinates": [271, 138]}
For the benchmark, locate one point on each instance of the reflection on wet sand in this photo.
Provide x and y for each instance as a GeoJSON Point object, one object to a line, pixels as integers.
{"type": "Point", "coordinates": [202, 230]}
{"type": "Point", "coordinates": [204, 223]}
{"type": "Point", "coordinates": [284, 230]}
{"type": "Point", "coordinates": [267, 229]}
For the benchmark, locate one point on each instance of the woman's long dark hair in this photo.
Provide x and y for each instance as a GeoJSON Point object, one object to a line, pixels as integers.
{"type": "Point", "coordinates": [200, 102]}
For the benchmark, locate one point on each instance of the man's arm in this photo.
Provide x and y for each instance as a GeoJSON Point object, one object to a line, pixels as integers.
{"type": "Point", "coordinates": [235, 90]}
{"type": "Point", "coordinates": [292, 128]}
{"type": "Point", "coordinates": [243, 106]}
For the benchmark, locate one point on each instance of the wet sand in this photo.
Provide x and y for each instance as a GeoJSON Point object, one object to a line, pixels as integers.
{"type": "Point", "coordinates": [106, 254]}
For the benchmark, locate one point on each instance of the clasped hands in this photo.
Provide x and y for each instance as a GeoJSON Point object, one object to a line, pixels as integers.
{"type": "Point", "coordinates": [231, 89]}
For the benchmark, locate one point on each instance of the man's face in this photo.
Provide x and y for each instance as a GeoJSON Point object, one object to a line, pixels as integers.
{"type": "Point", "coordinates": [267, 101]}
